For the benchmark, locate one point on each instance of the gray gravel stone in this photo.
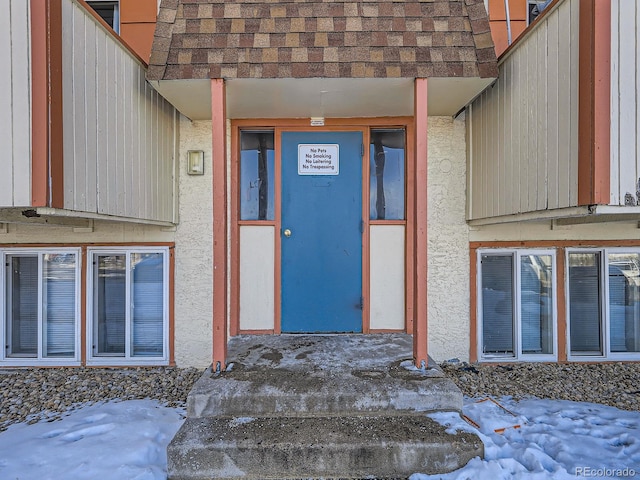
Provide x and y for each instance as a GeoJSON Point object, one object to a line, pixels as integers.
{"type": "Point", "coordinates": [33, 394]}
{"type": "Point", "coordinates": [614, 384]}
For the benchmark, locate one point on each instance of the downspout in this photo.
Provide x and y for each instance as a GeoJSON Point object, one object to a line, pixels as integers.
{"type": "Point", "coordinates": [508, 19]}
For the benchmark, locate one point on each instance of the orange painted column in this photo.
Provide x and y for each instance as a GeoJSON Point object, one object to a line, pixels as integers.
{"type": "Point", "coordinates": [420, 356]}
{"type": "Point", "coordinates": [219, 172]}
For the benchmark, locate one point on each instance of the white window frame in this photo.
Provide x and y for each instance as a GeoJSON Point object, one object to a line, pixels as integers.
{"type": "Point", "coordinates": [517, 355]}
{"type": "Point", "coordinates": [127, 359]}
{"type": "Point", "coordinates": [39, 360]}
{"type": "Point", "coordinates": [605, 313]}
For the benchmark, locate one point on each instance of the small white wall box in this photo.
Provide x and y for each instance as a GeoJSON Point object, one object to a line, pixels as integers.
{"type": "Point", "coordinates": [195, 162]}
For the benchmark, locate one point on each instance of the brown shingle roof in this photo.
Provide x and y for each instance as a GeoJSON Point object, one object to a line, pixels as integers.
{"type": "Point", "coordinates": [316, 38]}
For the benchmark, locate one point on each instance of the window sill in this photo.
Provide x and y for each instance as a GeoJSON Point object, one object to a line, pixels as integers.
{"type": "Point", "coordinates": [127, 362]}
{"type": "Point", "coordinates": [37, 363]}
{"type": "Point", "coordinates": [521, 359]}
{"type": "Point", "coordinates": [627, 357]}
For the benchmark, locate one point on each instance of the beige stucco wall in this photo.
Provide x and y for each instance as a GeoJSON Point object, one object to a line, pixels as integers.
{"type": "Point", "coordinates": [448, 241]}
{"type": "Point", "coordinates": [194, 252]}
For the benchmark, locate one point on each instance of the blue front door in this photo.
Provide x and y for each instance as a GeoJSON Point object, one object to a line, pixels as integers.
{"type": "Point", "coordinates": [321, 232]}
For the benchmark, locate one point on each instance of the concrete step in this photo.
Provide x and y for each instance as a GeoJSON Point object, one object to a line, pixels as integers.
{"type": "Point", "coordinates": [328, 406]}
{"type": "Point", "coordinates": [247, 391]}
{"type": "Point", "coordinates": [380, 446]}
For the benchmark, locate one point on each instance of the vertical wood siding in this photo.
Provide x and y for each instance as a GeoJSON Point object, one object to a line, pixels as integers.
{"type": "Point", "coordinates": [523, 131]}
{"type": "Point", "coordinates": [625, 101]}
{"type": "Point", "coordinates": [120, 135]}
{"type": "Point", "coordinates": [15, 104]}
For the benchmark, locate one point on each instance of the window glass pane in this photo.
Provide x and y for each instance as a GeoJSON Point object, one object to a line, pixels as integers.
{"type": "Point", "coordinates": [536, 308]}
{"type": "Point", "coordinates": [536, 7]}
{"type": "Point", "coordinates": [22, 306]}
{"type": "Point", "coordinates": [386, 168]}
{"type": "Point", "coordinates": [624, 302]}
{"type": "Point", "coordinates": [147, 304]}
{"type": "Point", "coordinates": [109, 12]}
{"type": "Point", "coordinates": [584, 303]}
{"type": "Point", "coordinates": [256, 175]}
{"type": "Point", "coordinates": [109, 305]}
{"type": "Point", "coordinates": [59, 301]}
{"type": "Point", "coordinates": [497, 304]}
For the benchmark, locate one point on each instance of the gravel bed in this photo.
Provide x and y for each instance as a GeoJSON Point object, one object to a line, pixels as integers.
{"type": "Point", "coordinates": [34, 394]}
{"type": "Point", "coordinates": [614, 384]}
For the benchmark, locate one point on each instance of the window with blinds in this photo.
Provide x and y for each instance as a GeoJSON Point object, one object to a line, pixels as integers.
{"type": "Point", "coordinates": [59, 295]}
{"type": "Point", "coordinates": [516, 304]}
{"type": "Point", "coordinates": [585, 310]}
{"type": "Point", "coordinates": [147, 306]}
{"type": "Point", "coordinates": [497, 304]}
{"type": "Point", "coordinates": [129, 303]}
{"type": "Point", "coordinates": [41, 313]}
{"type": "Point", "coordinates": [22, 306]}
{"type": "Point", "coordinates": [604, 303]}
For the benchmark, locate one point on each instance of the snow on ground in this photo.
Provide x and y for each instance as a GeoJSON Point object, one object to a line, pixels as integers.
{"type": "Point", "coordinates": [115, 440]}
{"type": "Point", "coordinates": [560, 440]}
{"type": "Point", "coordinates": [127, 441]}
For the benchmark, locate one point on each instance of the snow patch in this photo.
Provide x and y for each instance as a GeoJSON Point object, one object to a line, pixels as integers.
{"type": "Point", "coordinates": [561, 440]}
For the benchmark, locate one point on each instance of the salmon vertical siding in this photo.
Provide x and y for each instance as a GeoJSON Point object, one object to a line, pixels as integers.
{"type": "Point", "coordinates": [15, 104]}
{"type": "Point", "coordinates": [625, 102]}
{"type": "Point", "coordinates": [523, 131]}
{"type": "Point", "coordinates": [594, 103]}
{"type": "Point", "coordinates": [120, 135]}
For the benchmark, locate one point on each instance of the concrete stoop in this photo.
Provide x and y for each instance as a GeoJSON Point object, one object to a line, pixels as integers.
{"type": "Point", "coordinates": [317, 447]}
{"type": "Point", "coordinates": [280, 413]}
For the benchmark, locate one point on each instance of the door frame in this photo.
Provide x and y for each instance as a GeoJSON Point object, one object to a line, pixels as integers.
{"type": "Point", "coordinates": [278, 126]}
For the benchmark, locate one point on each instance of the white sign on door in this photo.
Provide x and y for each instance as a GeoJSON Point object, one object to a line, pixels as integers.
{"type": "Point", "coordinates": [322, 159]}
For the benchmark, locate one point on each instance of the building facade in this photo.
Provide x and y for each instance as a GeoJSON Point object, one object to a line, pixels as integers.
{"type": "Point", "coordinates": [552, 191]}
{"type": "Point", "coordinates": [309, 167]}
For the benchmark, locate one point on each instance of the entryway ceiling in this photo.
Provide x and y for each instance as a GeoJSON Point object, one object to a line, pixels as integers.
{"type": "Point", "coordinates": [320, 97]}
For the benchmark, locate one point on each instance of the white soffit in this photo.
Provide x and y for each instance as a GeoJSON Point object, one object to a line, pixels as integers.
{"type": "Point", "coordinates": [192, 98]}
{"type": "Point", "coordinates": [320, 97]}
{"type": "Point", "coordinates": [447, 96]}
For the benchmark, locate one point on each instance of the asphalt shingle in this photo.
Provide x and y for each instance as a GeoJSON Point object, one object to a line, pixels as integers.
{"type": "Point", "coordinates": [320, 38]}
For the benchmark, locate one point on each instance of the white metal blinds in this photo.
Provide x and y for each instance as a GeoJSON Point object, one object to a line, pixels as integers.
{"type": "Point", "coordinates": [497, 303]}
{"type": "Point", "coordinates": [584, 303]}
{"type": "Point", "coordinates": [129, 304]}
{"type": "Point", "coordinates": [22, 305]}
{"type": "Point", "coordinates": [59, 305]}
{"type": "Point", "coordinates": [40, 304]}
